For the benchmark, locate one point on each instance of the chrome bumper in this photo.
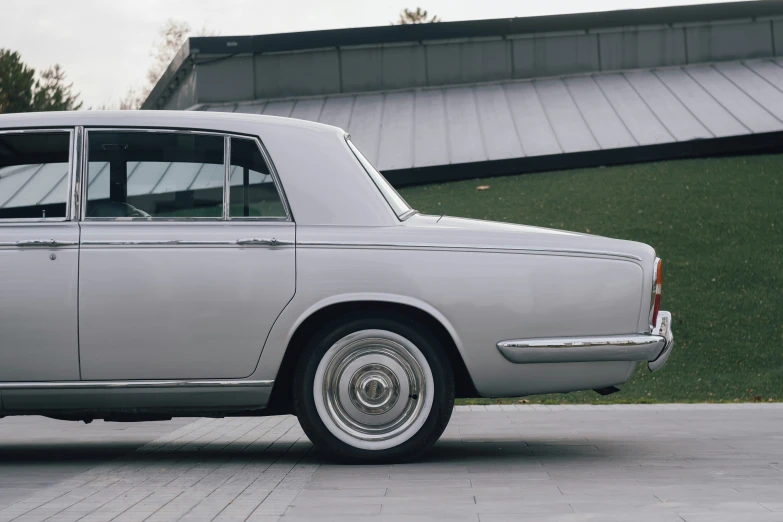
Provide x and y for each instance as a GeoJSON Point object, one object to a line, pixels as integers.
{"type": "Point", "coordinates": [654, 347]}
{"type": "Point", "coordinates": [663, 329]}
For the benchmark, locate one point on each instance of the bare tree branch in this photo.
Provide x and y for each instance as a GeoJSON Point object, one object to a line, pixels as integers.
{"type": "Point", "coordinates": [419, 16]}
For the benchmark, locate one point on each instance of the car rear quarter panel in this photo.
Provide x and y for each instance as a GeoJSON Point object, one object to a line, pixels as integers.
{"type": "Point", "coordinates": [481, 297]}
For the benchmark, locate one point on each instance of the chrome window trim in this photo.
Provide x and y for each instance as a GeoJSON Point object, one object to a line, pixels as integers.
{"type": "Point", "coordinates": [83, 175]}
{"type": "Point", "coordinates": [463, 248]}
{"type": "Point", "coordinates": [71, 173]}
{"type": "Point", "coordinates": [86, 163]}
{"type": "Point", "coordinates": [201, 383]}
{"type": "Point", "coordinates": [354, 150]}
{"type": "Point", "coordinates": [412, 212]}
{"type": "Point", "coordinates": [275, 177]}
{"type": "Point", "coordinates": [169, 221]}
{"type": "Point", "coordinates": [226, 177]}
{"type": "Point", "coordinates": [74, 187]}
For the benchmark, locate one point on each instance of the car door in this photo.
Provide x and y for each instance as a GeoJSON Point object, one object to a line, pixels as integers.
{"type": "Point", "coordinates": [187, 255]}
{"type": "Point", "coordinates": [39, 258]}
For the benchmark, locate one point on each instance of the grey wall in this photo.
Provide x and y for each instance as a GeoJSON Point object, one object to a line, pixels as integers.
{"type": "Point", "coordinates": [184, 94]}
{"type": "Point", "coordinates": [382, 67]}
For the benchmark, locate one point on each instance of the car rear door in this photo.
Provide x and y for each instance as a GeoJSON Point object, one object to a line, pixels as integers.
{"type": "Point", "coordinates": [187, 255]}
{"type": "Point", "coordinates": [39, 257]}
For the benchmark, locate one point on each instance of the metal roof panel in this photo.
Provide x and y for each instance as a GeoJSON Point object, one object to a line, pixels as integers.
{"type": "Point", "coordinates": [396, 145]}
{"type": "Point", "coordinates": [636, 115]}
{"type": "Point", "coordinates": [699, 103]}
{"type": "Point", "coordinates": [430, 143]}
{"type": "Point", "coordinates": [572, 132]}
{"type": "Point", "coordinates": [501, 140]}
{"type": "Point", "coordinates": [755, 86]}
{"type": "Point", "coordinates": [606, 126]}
{"type": "Point", "coordinates": [735, 100]}
{"type": "Point", "coordinates": [465, 140]}
{"type": "Point", "coordinates": [536, 134]}
{"type": "Point", "coordinates": [677, 119]}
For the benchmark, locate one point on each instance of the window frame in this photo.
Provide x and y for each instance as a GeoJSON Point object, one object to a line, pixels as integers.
{"type": "Point", "coordinates": [72, 153]}
{"type": "Point", "coordinates": [272, 172]}
{"type": "Point", "coordinates": [226, 136]}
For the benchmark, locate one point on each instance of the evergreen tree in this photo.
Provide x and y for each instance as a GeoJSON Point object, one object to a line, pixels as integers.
{"type": "Point", "coordinates": [20, 91]}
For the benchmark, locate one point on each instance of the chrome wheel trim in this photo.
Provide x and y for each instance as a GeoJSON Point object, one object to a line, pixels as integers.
{"type": "Point", "coordinates": [373, 389]}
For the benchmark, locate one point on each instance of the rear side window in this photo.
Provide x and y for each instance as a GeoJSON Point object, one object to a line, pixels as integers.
{"type": "Point", "coordinates": [34, 171]}
{"type": "Point", "coordinates": [169, 175]}
{"type": "Point", "coordinates": [253, 191]}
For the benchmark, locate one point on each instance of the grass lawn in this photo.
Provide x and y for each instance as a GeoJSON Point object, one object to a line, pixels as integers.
{"type": "Point", "coordinates": [718, 226]}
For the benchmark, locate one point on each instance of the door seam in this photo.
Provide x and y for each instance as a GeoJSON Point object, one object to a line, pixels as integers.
{"type": "Point", "coordinates": [78, 301]}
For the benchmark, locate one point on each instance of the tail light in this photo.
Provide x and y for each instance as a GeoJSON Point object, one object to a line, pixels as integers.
{"type": "Point", "coordinates": [656, 292]}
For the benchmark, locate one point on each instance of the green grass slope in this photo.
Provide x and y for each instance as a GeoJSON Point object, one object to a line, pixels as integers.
{"type": "Point", "coordinates": [716, 223]}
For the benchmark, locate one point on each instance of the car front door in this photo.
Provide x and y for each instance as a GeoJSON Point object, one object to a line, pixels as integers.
{"type": "Point", "coordinates": [39, 258]}
{"type": "Point", "coordinates": [187, 256]}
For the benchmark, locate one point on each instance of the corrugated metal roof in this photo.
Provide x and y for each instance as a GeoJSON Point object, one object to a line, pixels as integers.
{"type": "Point", "coordinates": [479, 122]}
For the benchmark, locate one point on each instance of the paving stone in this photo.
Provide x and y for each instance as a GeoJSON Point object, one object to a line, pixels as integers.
{"type": "Point", "coordinates": [494, 463]}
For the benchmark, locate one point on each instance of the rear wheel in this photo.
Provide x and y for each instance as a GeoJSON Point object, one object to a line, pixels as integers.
{"type": "Point", "coordinates": [374, 389]}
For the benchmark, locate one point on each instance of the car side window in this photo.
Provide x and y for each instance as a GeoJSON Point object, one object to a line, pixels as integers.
{"type": "Point", "coordinates": [147, 175]}
{"type": "Point", "coordinates": [253, 191]}
{"type": "Point", "coordinates": [34, 172]}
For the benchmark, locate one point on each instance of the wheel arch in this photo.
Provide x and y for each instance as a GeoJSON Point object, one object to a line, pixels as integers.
{"type": "Point", "coordinates": [328, 310]}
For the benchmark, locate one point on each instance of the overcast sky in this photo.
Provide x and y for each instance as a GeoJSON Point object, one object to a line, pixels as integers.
{"type": "Point", "coordinates": [104, 45]}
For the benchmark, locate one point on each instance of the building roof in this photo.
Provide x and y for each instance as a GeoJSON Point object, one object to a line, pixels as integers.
{"type": "Point", "coordinates": [480, 122]}
{"type": "Point", "coordinates": [459, 100]}
{"type": "Point", "coordinates": [693, 24]}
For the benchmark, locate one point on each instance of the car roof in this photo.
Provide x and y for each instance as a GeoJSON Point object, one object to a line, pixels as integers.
{"type": "Point", "coordinates": [325, 186]}
{"type": "Point", "coordinates": [180, 119]}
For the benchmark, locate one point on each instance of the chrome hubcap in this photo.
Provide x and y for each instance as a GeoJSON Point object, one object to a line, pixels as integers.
{"type": "Point", "coordinates": [372, 387]}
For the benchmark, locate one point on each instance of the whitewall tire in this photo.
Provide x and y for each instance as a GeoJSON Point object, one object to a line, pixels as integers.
{"type": "Point", "coordinates": [374, 389]}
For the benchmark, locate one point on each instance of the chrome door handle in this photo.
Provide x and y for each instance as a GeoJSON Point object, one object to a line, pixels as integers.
{"type": "Point", "coordinates": [262, 242]}
{"type": "Point", "coordinates": [48, 243]}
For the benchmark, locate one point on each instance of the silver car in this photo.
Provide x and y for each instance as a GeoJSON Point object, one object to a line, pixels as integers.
{"type": "Point", "coordinates": [159, 264]}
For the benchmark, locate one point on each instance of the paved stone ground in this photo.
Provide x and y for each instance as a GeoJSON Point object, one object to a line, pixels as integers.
{"type": "Point", "coordinates": [36, 452]}
{"type": "Point", "coordinates": [498, 463]}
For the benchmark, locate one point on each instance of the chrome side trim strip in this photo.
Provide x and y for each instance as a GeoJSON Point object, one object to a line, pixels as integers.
{"type": "Point", "coordinates": [462, 248]}
{"type": "Point", "coordinates": [186, 243]}
{"type": "Point", "coordinates": [45, 243]}
{"type": "Point", "coordinates": [161, 242]}
{"type": "Point", "coordinates": [274, 242]}
{"type": "Point", "coordinates": [38, 244]}
{"type": "Point", "coordinates": [133, 384]}
{"type": "Point", "coordinates": [633, 347]}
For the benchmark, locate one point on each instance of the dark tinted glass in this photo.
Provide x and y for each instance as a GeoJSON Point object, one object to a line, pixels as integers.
{"type": "Point", "coordinates": [253, 190]}
{"type": "Point", "coordinates": [155, 175]}
{"type": "Point", "coordinates": [34, 175]}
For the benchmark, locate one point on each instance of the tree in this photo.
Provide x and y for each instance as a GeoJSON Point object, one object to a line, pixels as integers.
{"type": "Point", "coordinates": [53, 94]}
{"type": "Point", "coordinates": [419, 16]}
{"type": "Point", "coordinates": [171, 37]}
{"type": "Point", "coordinates": [20, 91]}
